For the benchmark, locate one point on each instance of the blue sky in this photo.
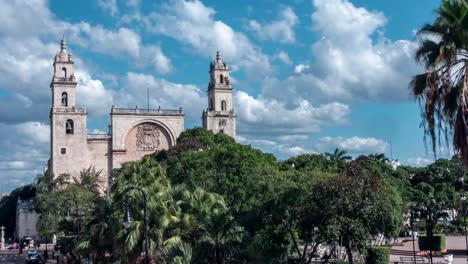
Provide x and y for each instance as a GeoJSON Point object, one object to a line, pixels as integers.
{"type": "Point", "coordinates": [309, 75]}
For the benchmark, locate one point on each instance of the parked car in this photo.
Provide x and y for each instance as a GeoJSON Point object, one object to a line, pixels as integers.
{"type": "Point", "coordinates": [33, 257]}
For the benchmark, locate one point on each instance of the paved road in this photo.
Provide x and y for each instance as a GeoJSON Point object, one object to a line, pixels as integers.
{"type": "Point", "coordinates": [12, 259]}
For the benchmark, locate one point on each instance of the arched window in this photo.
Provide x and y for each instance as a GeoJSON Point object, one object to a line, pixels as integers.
{"type": "Point", "coordinates": [64, 71]}
{"type": "Point", "coordinates": [69, 127]}
{"type": "Point", "coordinates": [211, 104]}
{"type": "Point", "coordinates": [223, 105]}
{"type": "Point", "coordinates": [221, 131]}
{"type": "Point", "coordinates": [64, 99]}
{"type": "Point", "coordinates": [221, 78]}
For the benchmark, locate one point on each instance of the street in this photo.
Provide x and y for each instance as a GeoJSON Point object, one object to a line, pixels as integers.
{"type": "Point", "coordinates": [12, 259]}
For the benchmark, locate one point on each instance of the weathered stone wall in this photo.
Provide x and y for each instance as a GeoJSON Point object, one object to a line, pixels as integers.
{"type": "Point", "coordinates": [124, 129]}
{"type": "Point", "coordinates": [74, 160]}
{"type": "Point", "coordinates": [26, 220]}
{"type": "Point", "coordinates": [98, 156]}
{"type": "Point", "coordinates": [135, 150]}
{"type": "Point", "coordinates": [217, 121]}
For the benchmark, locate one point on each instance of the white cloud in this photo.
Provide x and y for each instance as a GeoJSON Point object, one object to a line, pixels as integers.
{"type": "Point", "coordinates": [257, 142]}
{"type": "Point", "coordinates": [292, 150]}
{"type": "Point", "coordinates": [284, 57]}
{"type": "Point", "coordinates": [26, 18]}
{"type": "Point", "coordinates": [354, 145]}
{"type": "Point", "coordinates": [163, 93]}
{"type": "Point", "coordinates": [109, 6]}
{"type": "Point", "coordinates": [26, 150]}
{"type": "Point", "coordinates": [193, 23]}
{"type": "Point", "coordinates": [353, 59]}
{"type": "Point", "coordinates": [92, 94]}
{"type": "Point", "coordinates": [281, 30]}
{"type": "Point", "coordinates": [161, 63]}
{"type": "Point", "coordinates": [121, 42]}
{"type": "Point", "coordinates": [300, 68]}
{"type": "Point", "coordinates": [292, 138]}
{"type": "Point", "coordinates": [258, 115]}
{"type": "Point", "coordinates": [419, 161]}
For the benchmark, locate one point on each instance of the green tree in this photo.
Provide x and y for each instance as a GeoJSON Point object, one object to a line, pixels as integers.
{"type": "Point", "coordinates": [442, 89]}
{"type": "Point", "coordinates": [338, 155]}
{"type": "Point", "coordinates": [379, 157]}
{"type": "Point", "coordinates": [355, 205]}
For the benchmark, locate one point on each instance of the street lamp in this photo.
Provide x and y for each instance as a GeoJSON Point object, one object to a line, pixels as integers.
{"type": "Point", "coordinates": [77, 215]}
{"type": "Point", "coordinates": [463, 199]}
{"type": "Point", "coordinates": [127, 221]}
{"type": "Point", "coordinates": [414, 217]}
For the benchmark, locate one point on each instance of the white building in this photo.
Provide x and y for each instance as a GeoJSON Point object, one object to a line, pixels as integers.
{"type": "Point", "coordinates": [133, 133]}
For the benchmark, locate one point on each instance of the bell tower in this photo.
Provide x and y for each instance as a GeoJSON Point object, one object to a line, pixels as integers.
{"type": "Point", "coordinates": [67, 121]}
{"type": "Point", "coordinates": [220, 116]}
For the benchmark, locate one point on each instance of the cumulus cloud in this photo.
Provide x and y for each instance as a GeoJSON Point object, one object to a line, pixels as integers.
{"type": "Point", "coordinates": [193, 23]}
{"type": "Point", "coordinates": [283, 57]}
{"type": "Point", "coordinates": [163, 93]}
{"type": "Point", "coordinates": [419, 161]}
{"type": "Point", "coordinates": [26, 148]}
{"type": "Point", "coordinates": [121, 43]}
{"type": "Point", "coordinates": [257, 115]}
{"type": "Point", "coordinates": [281, 30]}
{"type": "Point", "coordinates": [357, 62]}
{"type": "Point", "coordinates": [300, 68]}
{"type": "Point", "coordinates": [292, 150]}
{"type": "Point", "coordinates": [109, 6]}
{"type": "Point", "coordinates": [92, 93]}
{"type": "Point", "coordinates": [354, 145]}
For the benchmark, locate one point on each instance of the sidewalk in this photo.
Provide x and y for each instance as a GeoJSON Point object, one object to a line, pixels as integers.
{"type": "Point", "coordinates": [455, 245]}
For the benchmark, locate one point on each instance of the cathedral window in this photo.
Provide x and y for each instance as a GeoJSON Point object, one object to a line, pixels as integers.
{"type": "Point", "coordinates": [221, 78]}
{"type": "Point", "coordinates": [223, 105]}
{"type": "Point", "coordinates": [69, 127]}
{"type": "Point", "coordinates": [64, 71]}
{"type": "Point", "coordinates": [64, 99]}
{"type": "Point", "coordinates": [211, 104]}
{"type": "Point", "coordinates": [63, 151]}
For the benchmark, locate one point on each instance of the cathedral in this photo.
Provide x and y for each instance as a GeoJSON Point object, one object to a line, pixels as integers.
{"type": "Point", "coordinates": [133, 132]}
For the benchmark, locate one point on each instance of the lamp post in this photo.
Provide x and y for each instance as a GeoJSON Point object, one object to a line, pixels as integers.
{"type": "Point", "coordinates": [127, 219]}
{"type": "Point", "coordinates": [412, 220]}
{"type": "Point", "coordinates": [78, 216]}
{"type": "Point", "coordinates": [463, 214]}
{"type": "Point", "coordinates": [463, 199]}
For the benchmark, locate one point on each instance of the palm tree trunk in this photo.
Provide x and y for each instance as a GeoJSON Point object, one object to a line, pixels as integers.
{"type": "Point", "coordinates": [464, 107]}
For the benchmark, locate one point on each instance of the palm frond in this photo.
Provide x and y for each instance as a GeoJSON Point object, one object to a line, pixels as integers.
{"type": "Point", "coordinates": [418, 85]}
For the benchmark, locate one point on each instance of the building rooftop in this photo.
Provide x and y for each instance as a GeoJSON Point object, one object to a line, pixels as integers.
{"type": "Point", "coordinates": [153, 112]}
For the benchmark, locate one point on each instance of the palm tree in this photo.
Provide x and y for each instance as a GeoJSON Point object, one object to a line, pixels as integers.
{"type": "Point", "coordinates": [177, 253]}
{"type": "Point", "coordinates": [338, 155]}
{"type": "Point", "coordinates": [163, 210]}
{"type": "Point", "coordinates": [442, 90]}
{"type": "Point", "coordinates": [379, 157]}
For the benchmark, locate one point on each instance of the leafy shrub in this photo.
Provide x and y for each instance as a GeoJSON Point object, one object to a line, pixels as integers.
{"type": "Point", "coordinates": [437, 243]}
{"type": "Point", "coordinates": [378, 255]}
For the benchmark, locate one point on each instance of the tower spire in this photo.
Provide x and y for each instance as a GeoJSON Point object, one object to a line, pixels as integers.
{"type": "Point", "coordinates": [63, 43]}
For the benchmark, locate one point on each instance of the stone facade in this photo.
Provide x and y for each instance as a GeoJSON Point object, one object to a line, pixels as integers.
{"type": "Point", "coordinates": [133, 133]}
{"type": "Point", "coordinates": [26, 220]}
{"type": "Point", "coordinates": [220, 116]}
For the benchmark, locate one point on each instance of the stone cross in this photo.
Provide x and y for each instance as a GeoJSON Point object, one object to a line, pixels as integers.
{"type": "Point", "coordinates": [2, 237]}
